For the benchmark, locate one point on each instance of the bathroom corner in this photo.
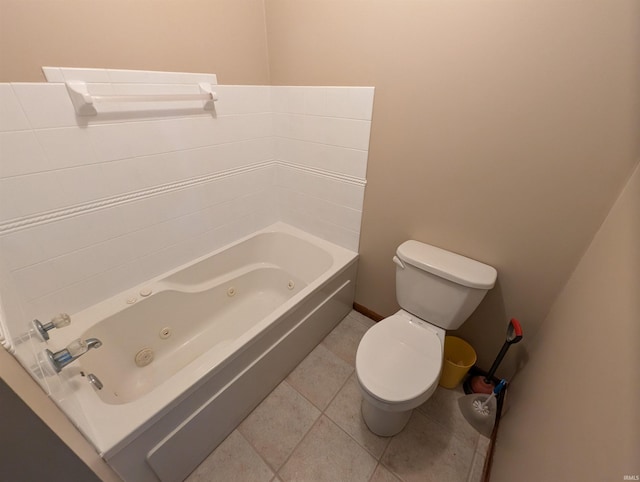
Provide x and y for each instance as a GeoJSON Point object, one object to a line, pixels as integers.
{"type": "Point", "coordinates": [504, 132]}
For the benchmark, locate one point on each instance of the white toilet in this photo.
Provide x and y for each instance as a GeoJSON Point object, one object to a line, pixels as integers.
{"type": "Point", "coordinates": [399, 359]}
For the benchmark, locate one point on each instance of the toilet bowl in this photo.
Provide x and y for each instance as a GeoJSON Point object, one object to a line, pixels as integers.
{"type": "Point", "coordinates": [399, 359]}
{"type": "Point", "coordinates": [398, 366]}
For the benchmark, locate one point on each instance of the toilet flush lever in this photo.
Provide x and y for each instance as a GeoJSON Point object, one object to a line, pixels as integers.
{"type": "Point", "coordinates": [398, 261]}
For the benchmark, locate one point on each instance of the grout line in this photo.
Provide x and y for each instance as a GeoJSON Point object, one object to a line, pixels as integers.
{"type": "Point", "coordinates": [327, 116]}
{"type": "Point", "coordinates": [354, 440]}
{"type": "Point", "coordinates": [286, 460]}
{"type": "Point", "coordinates": [448, 429]}
{"type": "Point", "coordinates": [322, 172]}
{"type": "Point", "coordinates": [379, 461]}
{"type": "Point", "coordinates": [339, 389]}
{"type": "Point", "coordinates": [374, 471]}
{"type": "Point", "coordinates": [129, 262]}
{"type": "Point", "coordinates": [393, 474]}
{"type": "Point", "coordinates": [24, 222]}
{"type": "Point", "coordinates": [322, 411]}
{"type": "Point", "coordinates": [140, 229]}
{"type": "Point", "coordinates": [24, 111]}
{"type": "Point", "coordinates": [275, 470]}
{"type": "Point", "coordinates": [257, 452]}
{"type": "Point", "coordinates": [351, 375]}
{"type": "Point", "coordinates": [319, 143]}
{"type": "Point", "coordinates": [130, 158]}
{"type": "Point", "coordinates": [149, 116]}
{"type": "Point", "coordinates": [17, 224]}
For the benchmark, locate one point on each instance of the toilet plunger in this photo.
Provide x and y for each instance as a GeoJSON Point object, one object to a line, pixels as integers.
{"type": "Point", "coordinates": [480, 384]}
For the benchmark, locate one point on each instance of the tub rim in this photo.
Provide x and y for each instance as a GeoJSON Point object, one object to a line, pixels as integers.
{"type": "Point", "coordinates": [109, 427]}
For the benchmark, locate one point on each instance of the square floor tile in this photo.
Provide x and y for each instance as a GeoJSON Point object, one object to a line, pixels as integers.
{"type": "Point", "coordinates": [425, 451]}
{"type": "Point", "coordinates": [381, 474]}
{"type": "Point", "coordinates": [344, 339]}
{"type": "Point", "coordinates": [319, 376]}
{"type": "Point", "coordinates": [233, 461]}
{"type": "Point", "coordinates": [443, 407]}
{"type": "Point", "coordinates": [345, 411]}
{"type": "Point", "coordinates": [327, 454]}
{"type": "Point", "coordinates": [442, 402]}
{"type": "Point", "coordinates": [279, 423]}
{"type": "Point", "coordinates": [288, 433]}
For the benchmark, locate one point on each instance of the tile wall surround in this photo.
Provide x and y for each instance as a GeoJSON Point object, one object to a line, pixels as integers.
{"type": "Point", "coordinates": [90, 206]}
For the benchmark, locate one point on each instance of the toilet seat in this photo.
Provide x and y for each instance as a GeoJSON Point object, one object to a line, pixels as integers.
{"type": "Point", "coordinates": [399, 359]}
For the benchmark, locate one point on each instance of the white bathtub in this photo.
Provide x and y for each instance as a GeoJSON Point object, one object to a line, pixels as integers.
{"type": "Point", "coordinates": [223, 330]}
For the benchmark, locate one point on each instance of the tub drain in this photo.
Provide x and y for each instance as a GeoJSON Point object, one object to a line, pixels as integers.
{"type": "Point", "coordinates": [144, 357]}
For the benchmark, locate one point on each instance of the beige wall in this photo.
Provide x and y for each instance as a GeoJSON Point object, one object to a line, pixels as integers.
{"type": "Point", "coordinates": [226, 37]}
{"type": "Point", "coordinates": [501, 130]}
{"type": "Point", "coordinates": [575, 407]}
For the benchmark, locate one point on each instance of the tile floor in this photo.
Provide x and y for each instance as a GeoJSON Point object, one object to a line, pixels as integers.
{"type": "Point", "coordinates": [310, 429]}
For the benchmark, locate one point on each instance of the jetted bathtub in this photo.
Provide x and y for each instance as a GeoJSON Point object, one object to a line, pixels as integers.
{"type": "Point", "coordinates": [186, 356]}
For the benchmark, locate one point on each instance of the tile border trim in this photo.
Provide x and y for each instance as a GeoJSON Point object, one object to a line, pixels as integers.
{"type": "Point", "coordinates": [18, 224]}
{"type": "Point", "coordinates": [336, 176]}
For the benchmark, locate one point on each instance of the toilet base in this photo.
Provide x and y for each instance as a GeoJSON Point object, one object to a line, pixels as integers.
{"type": "Point", "coordinates": [383, 422]}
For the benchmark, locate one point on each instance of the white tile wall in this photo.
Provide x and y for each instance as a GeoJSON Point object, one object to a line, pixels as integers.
{"type": "Point", "coordinates": [345, 102]}
{"type": "Point", "coordinates": [149, 237]}
{"type": "Point", "coordinates": [321, 137]}
{"type": "Point", "coordinates": [122, 197]}
{"type": "Point", "coordinates": [53, 74]}
{"type": "Point", "coordinates": [329, 208]}
{"type": "Point", "coordinates": [242, 99]}
{"type": "Point", "coordinates": [21, 154]}
{"type": "Point", "coordinates": [12, 117]}
{"type": "Point", "coordinates": [46, 105]}
{"type": "Point", "coordinates": [86, 75]}
{"type": "Point", "coordinates": [349, 162]}
{"type": "Point", "coordinates": [65, 147]}
{"type": "Point", "coordinates": [323, 229]}
{"type": "Point", "coordinates": [334, 131]}
{"type": "Point", "coordinates": [349, 195]}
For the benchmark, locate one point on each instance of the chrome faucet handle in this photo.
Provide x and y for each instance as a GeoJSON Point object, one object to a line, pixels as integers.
{"type": "Point", "coordinates": [59, 321]}
{"type": "Point", "coordinates": [75, 350]}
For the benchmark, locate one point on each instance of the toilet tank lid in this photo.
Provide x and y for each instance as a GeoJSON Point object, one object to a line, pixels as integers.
{"type": "Point", "coordinates": [450, 266]}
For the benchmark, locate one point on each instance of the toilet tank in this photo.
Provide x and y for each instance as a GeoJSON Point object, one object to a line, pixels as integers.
{"type": "Point", "coordinates": [439, 286]}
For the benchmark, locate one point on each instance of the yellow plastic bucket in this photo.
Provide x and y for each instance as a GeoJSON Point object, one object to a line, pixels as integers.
{"type": "Point", "coordinates": [459, 356]}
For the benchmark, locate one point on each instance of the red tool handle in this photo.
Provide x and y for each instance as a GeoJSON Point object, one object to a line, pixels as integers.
{"type": "Point", "coordinates": [514, 331]}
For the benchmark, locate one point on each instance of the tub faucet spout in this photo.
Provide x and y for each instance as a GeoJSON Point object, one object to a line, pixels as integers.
{"type": "Point", "coordinates": [75, 350]}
